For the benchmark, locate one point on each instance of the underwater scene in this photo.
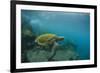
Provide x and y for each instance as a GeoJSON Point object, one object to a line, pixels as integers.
{"type": "Point", "coordinates": [54, 36]}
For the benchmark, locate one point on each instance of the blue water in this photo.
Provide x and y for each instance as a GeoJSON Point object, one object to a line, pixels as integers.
{"type": "Point", "coordinates": [72, 26]}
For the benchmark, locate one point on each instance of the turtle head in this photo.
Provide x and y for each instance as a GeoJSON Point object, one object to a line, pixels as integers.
{"type": "Point", "coordinates": [55, 39]}
{"type": "Point", "coordinates": [59, 38]}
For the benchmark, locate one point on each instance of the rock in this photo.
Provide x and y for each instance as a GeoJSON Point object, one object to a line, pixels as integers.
{"type": "Point", "coordinates": [65, 55]}
{"type": "Point", "coordinates": [37, 56]}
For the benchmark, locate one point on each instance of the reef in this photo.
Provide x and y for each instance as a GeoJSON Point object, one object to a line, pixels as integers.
{"type": "Point", "coordinates": [45, 47]}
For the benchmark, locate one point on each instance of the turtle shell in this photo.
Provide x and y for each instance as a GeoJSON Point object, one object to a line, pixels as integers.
{"type": "Point", "coordinates": [44, 39]}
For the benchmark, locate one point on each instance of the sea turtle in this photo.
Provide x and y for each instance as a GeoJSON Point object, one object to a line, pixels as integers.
{"type": "Point", "coordinates": [46, 40]}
